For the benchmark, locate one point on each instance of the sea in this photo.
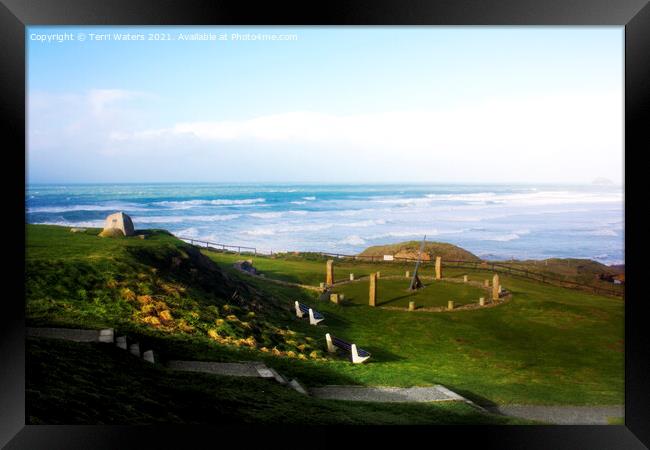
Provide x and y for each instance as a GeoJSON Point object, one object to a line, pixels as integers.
{"type": "Point", "coordinates": [497, 222]}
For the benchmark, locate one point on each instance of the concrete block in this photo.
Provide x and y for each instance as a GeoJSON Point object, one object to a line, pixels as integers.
{"type": "Point", "coordinates": [481, 301]}
{"type": "Point", "coordinates": [134, 349]}
{"type": "Point", "coordinates": [411, 306]}
{"type": "Point", "coordinates": [464, 278]}
{"type": "Point", "coordinates": [296, 386]}
{"type": "Point", "coordinates": [120, 342]}
{"type": "Point", "coordinates": [407, 274]}
{"type": "Point", "coordinates": [450, 305]}
{"type": "Point", "coordinates": [106, 335]}
{"type": "Point", "coordinates": [148, 356]}
{"type": "Point", "coordinates": [351, 277]}
{"type": "Point", "coordinates": [378, 275]}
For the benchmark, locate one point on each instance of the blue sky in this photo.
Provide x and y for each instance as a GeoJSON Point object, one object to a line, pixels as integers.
{"type": "Point", "coordinates": [360, 104]}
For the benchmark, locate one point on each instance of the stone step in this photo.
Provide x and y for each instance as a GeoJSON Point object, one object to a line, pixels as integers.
{"type": "Point", "coordinates": [217, 368]}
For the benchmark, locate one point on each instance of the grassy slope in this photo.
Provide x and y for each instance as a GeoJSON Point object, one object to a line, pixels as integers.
{"type": "Point", "coordinates": [549, 345]}
{"type": "Point", "coordinates": [73, 383]}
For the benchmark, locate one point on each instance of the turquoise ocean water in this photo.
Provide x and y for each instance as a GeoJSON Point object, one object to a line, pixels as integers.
{"type": "Point", "coordinates": [492, 221]}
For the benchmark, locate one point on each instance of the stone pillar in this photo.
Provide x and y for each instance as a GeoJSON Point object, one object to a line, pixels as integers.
{"type": "Point", "coordinates": [372, 300]}
{"type": "Point", "coordinates": [334, 298]}
{"type": "Point", "coordinates": [486, 283]}
{"type": "Point", "coordinates": [408, 274]}
{"type": "Point", "coordinates": [481, 301]}
{"type": "Point", "coordinates": [464, 278]}
{"type": "Point", "coordinates": [450, 305]}
{"type": "Point", "coordinates": [438, 267]}
{"type": "Point", "coordinates": [411, 306]}
{"type": "Point", "coordinates": [329, 280]}
{"type": "Point", "coordinates": [495, 287]}
{"type": "Point", "coordinates": [351, 277]}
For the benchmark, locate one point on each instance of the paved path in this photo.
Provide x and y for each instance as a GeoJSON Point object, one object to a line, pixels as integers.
{"type": "Point", "coordinates": [243, 369]}
{"type": "Point", "coordinates": [386, 394]}
{"type": "Point", "coordinates": [561, 415]}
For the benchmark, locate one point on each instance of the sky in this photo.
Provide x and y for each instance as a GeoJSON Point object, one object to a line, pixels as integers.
{"type": "Point", "coordinates": [325, 104]}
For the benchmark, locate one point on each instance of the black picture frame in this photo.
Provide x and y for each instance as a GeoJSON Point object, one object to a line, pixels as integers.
{"type": "Point", "coordinates": [15, 15]}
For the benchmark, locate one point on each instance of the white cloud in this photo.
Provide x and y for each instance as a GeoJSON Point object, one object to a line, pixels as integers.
{"type": "Point", "coordinates": [550, 125]}
{"type": "Point", "coordinates": [537, 138]}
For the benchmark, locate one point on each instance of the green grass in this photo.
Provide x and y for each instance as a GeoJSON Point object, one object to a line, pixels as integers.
{"type": "Point", "coordinates": [312, 271]}
{"type": "Point", "coordinates": [77, 383]}
{"type": "Point", "coordinates": [395, 293]}
{"type": "Point", "coordinates": [548, 345]}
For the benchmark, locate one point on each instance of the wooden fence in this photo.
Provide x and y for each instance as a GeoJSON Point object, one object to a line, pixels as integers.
{"type": "Point", "coordinates": [497, 267]}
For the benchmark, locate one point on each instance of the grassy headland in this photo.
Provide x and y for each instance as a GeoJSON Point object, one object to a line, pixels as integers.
{"type": "Point", "coordinates": [549, 345]}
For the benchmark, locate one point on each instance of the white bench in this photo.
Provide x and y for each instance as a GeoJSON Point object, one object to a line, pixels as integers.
{"type": "Point", "coordinates": [303, 310]}
{"type": "Point", "coordinates": [357, 355]}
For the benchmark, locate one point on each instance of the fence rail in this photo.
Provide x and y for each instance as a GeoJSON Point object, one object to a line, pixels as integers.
{"type": "Point", "coordinates": [214, 245]}
{"type": "Point", "coordinates": [494, 267]}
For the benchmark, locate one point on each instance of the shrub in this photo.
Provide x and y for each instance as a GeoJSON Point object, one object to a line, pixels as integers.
{"type": "Point", "coordinates": [127, 294]}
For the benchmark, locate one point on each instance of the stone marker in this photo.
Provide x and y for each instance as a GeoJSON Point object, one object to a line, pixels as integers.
{"type": "Point", "coordinates": [106, 335]}
{"type": "Point", "coordinates": [118, 224]}
{"type": "Point", "coordinates": [486, 283]}
{"type": "Point", "coordinates": [411, 306]}
{"type": "Point", "coordinates": [450, 305]}
{"type": "Point", "coordinates": [481, 301]}
{"type": "Point", "coordinates": [148, 356]}
{"type": "Point", "coordinates": [464, 278]}
{"type": "Point", "coordinates": [372, 300]}
{"type": "Point", "coordinates": [408, 274]}
{"type": "Point", "coordinates": [329, 280]}
{"type": "Point", "coordinates": [438, 267]}
{"type": "Point", "coordinates": [120, 342]}
{"type": "Point", "coordinates": [334, 298]}
{"type": "Point", "coordinates": [351, 277]}
{"type": "Point", "coordinates": [135, 349]}
{"type": "Point", "coordinates": [378, 275]}
{"type": "Point", "coordinates": [495, 287]}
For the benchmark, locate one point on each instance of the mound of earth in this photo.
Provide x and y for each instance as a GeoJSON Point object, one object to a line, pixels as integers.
{"type": "Point", "coordinates": [410, 249]}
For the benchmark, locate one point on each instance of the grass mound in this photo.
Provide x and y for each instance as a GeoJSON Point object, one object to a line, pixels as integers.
{"type": "Point", "coordinates": [410, 250]}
